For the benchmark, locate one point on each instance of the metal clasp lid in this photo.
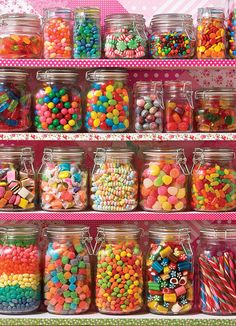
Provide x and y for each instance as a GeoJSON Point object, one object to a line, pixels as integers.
{"type": "Point", "coordinates": [99, 158]}
{"type": "Point", "coordinates": [87, 241]}
{"type": "Point", "coordinates": [181, 160]}
{"type": "Point", "coordinates": [198, 158]}
{"type": "Point", "coordinates": [27, 157]}
{"type": "Point", "coordinates": [100, 238]}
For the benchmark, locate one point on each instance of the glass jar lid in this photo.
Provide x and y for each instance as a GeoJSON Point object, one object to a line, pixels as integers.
{"type": "Point", "coordinates": [177, 86]}
{"type": "Point", "coordinates": [218, 232]}
{"type": "Point", "coordinates": [163, 152]}
{"type": "Point", "coordinates": [119, 230]}
{"type": "Point", "coordinates": [60, 153]}
{"type": "Point", "coordinates": [151, 86]}
{"type": "Point", "coordinates": [13, 75]}
{"type": "Point", "coordinates": [16, 19]}
{"type": "Point", "coordinates": [16, 152]}
{"type": "Point", "coordinates": [66, 230]}
{"type": "Point", "coordinates": [226, 93]}
{"type": "Point", "coordinates": [102, 154]}
{"type": "Point", "coordinates": [57, 75]}
{"type": "Point", "coordinates": [20, 230]}
{"type": "Point", "coordinates": [106, 74]}
{"type": "Point", "coordinates": [221, 154]}
{"type": "Point", "coordinates": [56, 12]}
{"type": "Point", "coordinates": [171, 19]}
{"type": "Point", "coordinates": [159, 231]}
{"type": "Point", "coordinates": [209, 12]}
{"type": "Point", "coordinates": [89, 12]}
{"type": "Point", "coordinates": [124, 18]}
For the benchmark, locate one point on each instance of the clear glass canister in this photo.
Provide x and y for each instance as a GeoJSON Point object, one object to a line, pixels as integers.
{"type": "Point", "coordinates": [232, 33]}
{"type": "Point", "coordinates": [67, 274]}
{"type": "Point", "coordinates": [57, 101]}
{"type": "Point", "coordinates": [17, 178]}
{"type": "Point", "coordinates": [20, 36]}
{"type": "Point", "coordinates": [213, 180]}
{"type": "Point", "coordinates": [172, 36]}
{"type": "Point", "coordinates": [216, 110]}
{"type": "Point", "coordinates": [20, 277]}
{"type": "Point", "coordinates": [119, 274]}
{"type": "Point", "coordinates": [63, 180]}
{"type": "Point", "coordinates": [164, 180]}
{"type": "Point", "coordinates": [114, 184]}
{"type": "Point", "coordinates": [15, 101]}
{"type": "Point", "coordinates": [107, 101]}
{"type": "Point", "coordinates": [211, 34]}
{"type": "Point", "coordinates": [148, 106]}
{"type": "Point", "coordinates": [216, 268]}
{"type": "Point", "coordinates": [57, 33]}
{"type": "Point", "coordinates": [125, 36]}
{"type": "Point", "coordinates": [87, 33]}
{"type": "Point", "coordinates": [169, 270]}
{"type": "Point", "coordinates": [178, 106]}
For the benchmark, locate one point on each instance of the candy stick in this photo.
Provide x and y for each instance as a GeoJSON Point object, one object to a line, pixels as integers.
{"type": "Point", "coordinates": [203, 302]}
{"type": "Point", "coordinates": [232, 270]}
{"type": "Point", "coordinates": [226, 268]}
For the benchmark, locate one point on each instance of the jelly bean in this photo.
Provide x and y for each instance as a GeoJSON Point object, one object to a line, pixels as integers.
{"type": "Point", "coordinates": [232, 34]}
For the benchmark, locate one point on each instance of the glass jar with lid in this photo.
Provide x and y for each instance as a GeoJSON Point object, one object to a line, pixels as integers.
{"type": "Point", "coordinates": [178, 106]}
{"type": "Point", "coordinates": [216, 268]}
{"type": "Point", "coordinates": [216, 110]}
{"type": "Point", "coordinates": [67, 274]}
{"type": "Point", "coordinates": [114, 184]}
{"type": "Point", "coordinates": [172, 36]}
{"type": "Point", "coordinates": [87, 33]}
{"type": "Point", "coordinates": [211, 33]}
{"type": "Point", "coordinates": [164, 180]}
{"type": "Point", "coordinates": [20, 36]}
{"type": "Point", "coordinates": [20, 275]}
{"type": "Point", "coordinates": [15, 101]}
{"type": "Point", "coordinates": [119, 272]}
{"type": "Point", "coordinates": [17, 178]}
{"type": "Point", "coordinates": [169, 269]}
{"type": "Point", "coordinates": [57, 101]}
{"type": "Point", "coordinates": [57, 33]}
{"type": "Point", "coordinates": [213, 182]}
{"type": "Point", "coordinates": [125, 36]}
{"type": "Point", "coordinates": [232, 33]}
{"type": "Point", "coordinates": [107, 101]}
{"type": "Point", "coordinates": [148, 106]}
{"type": "Point", "coordinates": [63, 180]}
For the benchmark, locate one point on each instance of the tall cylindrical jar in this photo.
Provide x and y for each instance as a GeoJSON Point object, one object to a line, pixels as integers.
{"type": "Point", "coordinates": [213, 182]}
{"type": "Point", "coordinates": [119, 275]}
{"type": "Point", "coordinates": [58, 101]}
{"type": "Point", "coordinates": [169, 269]}
{"type": "Point", "coordinates": [107, 101]}
{"type": "Point", "coordinates": [148, 106]}
{"type": "Point", "coordinates": [217, 269]}
{"type": "Point", "coordinates": [87, 33]}
{"type": "Point", "coordinates": [57, 33]}
{"type": "Point", "coordinates": [164, 180]}
{"type": "Point", "coordinates": [67, 275]}
{"type": "Point", "coordinates": [114, 181]}
{"type": "Point", "coordinates": [20, 274]}
{"type": "Point", "coordinates": [63, 180]}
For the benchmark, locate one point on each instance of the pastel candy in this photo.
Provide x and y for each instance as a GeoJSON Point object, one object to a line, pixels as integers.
{"type": "Point", "coordinates": [172, 191]}
{"type": "Point", "coordinates": [147, 183]}
{"type": "Point", "coordinates": [162, 190]}
{"type": "Point", "coordinates": [167, 179]}
{"type": "Point", "coordinates": [154, 169]}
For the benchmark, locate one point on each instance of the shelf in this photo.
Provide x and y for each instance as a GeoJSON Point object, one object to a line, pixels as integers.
{"type": "Point", "coordinates": [119, 63]}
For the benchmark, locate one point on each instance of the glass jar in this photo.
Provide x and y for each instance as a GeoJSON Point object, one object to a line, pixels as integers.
{"type": "Point", "coordinates": [211, 33]}
{"type": "Point", "coordinates": [232, 33]}
{"type": "Point", "coordinates": [213, 180]}
{"type": "Point", "coordinates": [178, 106]}
{"type": "Point", "coordinates": [148, 106]}
{"type": "Point", "coordinates": [114, 184]}
{"type": "Point", "coordinates": [125, 36]}
{"type": "Point", "coordinates": [20, 36]}
{"type": "Point", "coordinates": [20, 277]}
{"type": "Point", "coordinates": [58, 101]}
{"type": "Point", "coordinates": [216, 110]}
{"type": "Point", "coordinates": [107, 102]}
{"type": "Point", "coordinates": [15, 101]}
{"type": "Point", "coordinates": [164, 180]}
{"type": "Point", "coordinates": [17, 178]}
{"type": "Point", "coordinates": [67, 275]}
{"type": "Point", "coordinates": [172, 36]}
{"type": "Point", "coordinates": [169, 265]}
{"type": "Point", "coordinates": [57, 33]}
{"type": "Point", "coordinates": [87, 33]}
{"type": "Point", "coordinates": [216, 267]}
{"type": "Point", "coordinates": [119, 274]}
{"type": "Point", "coordinates": [63, 180]}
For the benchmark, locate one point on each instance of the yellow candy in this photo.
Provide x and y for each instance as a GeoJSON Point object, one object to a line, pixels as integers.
{"type": "Point", "coordinates": [167, 179]}
{"type": "Point", "coordinates": [123, 254]}
{"type": "Point", "coordinates": [166, 206]}
{"type": "Point", "coordinates": [116, 112]}
{"type": "Point", "coordinates": [98, 93]}
{"type": "Point", "coordinates": [152, 304]}
{"type": "Point", "coordinates": [67, 127]}
{"type": "Point", "coordinates": [186, 308]}
{"type": "Point", "coordinates": [109, 115]}
{"type": "Point", "coordinates": [179, 206]}
{"type": "Point", "coordinates": [181, 193]}
{"type": "Point", "coordinates": [166, 270]}
{"type": "Point", "coordinates": [48, 90]}
{"type": "Point", "coordinates": [166, 252]}
{"type": "Point", "coordinates": [117, 257]}
{"type": "Point", "coordinates": [51, 105]}
{"type": "Point", "coordinates": [126, 99]}
{"type": "Point", "coordinates": [71, 123]}
{"type": "Point", "coordinates": [94, 115]}
{"type": "Point", "coordinates": [170, 297]}
{"type": "Point", "coordinates": [90, 95]}
{"type": "Point", "coordinates": [126, 123]}
{"type": "Point", "coordinates": [190, 294]}
{"type": "Point", "coordinates": [109, 88]}
{"type": "Point", "coordinates": [162, 199]}
{"type": "Point", "coordinates": [23, 203]}
{"type": "Point", "coordinates": [154, 169]}
{"type": "Point", "coordinates": [64, 174]}
{"type": "Point", "coordinates": [162, 309]}
{"type": "Point", "coordinates": [127, 276]}
{"type": "Point", "coordinates": [96, 123]}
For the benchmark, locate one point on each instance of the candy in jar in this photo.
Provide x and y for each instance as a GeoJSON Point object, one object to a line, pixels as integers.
{"type": "Point", "coordinates": [20, 277]}
{"type": "Point", "coordinates": [164, 180]}
{"type": "Point", "coordinates": [148, 106]}
{"type": "Point", "coordinates": [216, 110]}
{"type": "Point", "coordinates": [57, 33]}
{"type": "Point", "coordinates": [119, 275]}
{"type": "Point", "coordinates": [58, 101]}
{"type": "Point", "coordinates": [213, 180]}
{"type": "Point", "coordinates": [232, 34]}
{"type": "Point", "coordinates": [216, 267]}
{"type": "Point", "coordinates": [63, 179]}
{"type": "Point", "coordinates": [169, 269]}
{"type": "Point", "coordinates": [114, 181]}
{"type": "Point", "coordinates": [67, 274]}
{"type": "Point", "coordinates": [211, 34]}
{"type": "Point", "coordinates": [107, 102]}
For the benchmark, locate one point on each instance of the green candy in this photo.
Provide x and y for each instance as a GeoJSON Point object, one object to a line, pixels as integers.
{"type": "Point", "coordinates": [67, 105]}
{"type": "Point", "coordinates": [81, 264]}
{"type": "Point", "coordinates": [79, 248]}
{"type": "Point", "coordinates": [112, 102]}
{"type": "Point", "coordinates": [74, 269]}
{"type": "Point", "coordinates": [158, 181]}
{"type": "Point", "coordinates": [121, 45]}
{"type": "Point", "coordinates": [65, 260]}
{"type": "Point", "coordinates": [229, 120]}
{"type": "Point", "coordinates": [62, 92]}
{"type": "Point", "coordinates": [132, 44]}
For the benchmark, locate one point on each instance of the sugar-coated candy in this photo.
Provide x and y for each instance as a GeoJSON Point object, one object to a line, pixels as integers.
{"type": "Point", "coordinates": [232, 34]}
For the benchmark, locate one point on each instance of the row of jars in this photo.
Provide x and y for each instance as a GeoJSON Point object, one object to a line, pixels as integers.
{"type": "Point", "coordinates": [65, 35]}
{"type": "Point", "coordinates": [122, 272]}
{"type": "Point", "coordinates": [58, 106]}
{"type": "Point", "coordinates": [114, 181]}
